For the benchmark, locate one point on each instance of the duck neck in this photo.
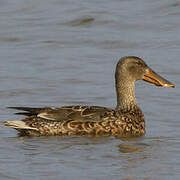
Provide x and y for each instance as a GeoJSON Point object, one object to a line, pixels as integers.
{"type": "Point", "coordinates": [125, 89]}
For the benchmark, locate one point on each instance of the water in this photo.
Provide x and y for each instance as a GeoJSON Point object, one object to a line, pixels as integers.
{"type": "Point", "coordinates": [57, 53]}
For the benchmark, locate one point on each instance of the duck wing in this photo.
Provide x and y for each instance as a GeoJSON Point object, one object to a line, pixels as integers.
{"type": "Point", "coordinates": [65, 113]}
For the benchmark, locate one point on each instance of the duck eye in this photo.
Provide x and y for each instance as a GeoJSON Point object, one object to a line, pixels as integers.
{"type": "Point", "coordinates": [138, 63]}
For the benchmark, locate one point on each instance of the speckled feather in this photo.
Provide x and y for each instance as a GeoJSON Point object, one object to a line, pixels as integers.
{"type": "Point", "coordinates": [82, 120]}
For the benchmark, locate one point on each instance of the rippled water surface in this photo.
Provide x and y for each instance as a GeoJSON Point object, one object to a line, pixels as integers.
{"type": "Point", "coordinates": [64, 52]}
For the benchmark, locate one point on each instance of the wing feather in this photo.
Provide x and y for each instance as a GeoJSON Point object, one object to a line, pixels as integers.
{"type": "Point", "coordinates": [65, 113]}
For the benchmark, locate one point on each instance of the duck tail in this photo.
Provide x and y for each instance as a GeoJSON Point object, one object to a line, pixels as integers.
{"type": "Point", "coordinates": [28, 110]}
{"type": "Point", "coordinates": [19, 124]}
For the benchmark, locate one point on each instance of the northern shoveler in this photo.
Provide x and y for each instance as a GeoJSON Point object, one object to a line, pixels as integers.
{"type": "Point", "coordinates": [126, 120]}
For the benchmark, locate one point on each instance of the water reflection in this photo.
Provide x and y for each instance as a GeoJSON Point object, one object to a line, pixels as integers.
{"type": "Point", "coordinates": [11, 39]}
{"type": "Point", "coordinates": [124, 148]}
{"type": "Point", "coordinates": [80, 22]}
{"type": "Point", "coordinates": [128, 159]}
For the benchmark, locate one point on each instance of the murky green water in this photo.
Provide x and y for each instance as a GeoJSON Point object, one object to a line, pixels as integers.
{"type": "Point", "coordinates": [55, 53]}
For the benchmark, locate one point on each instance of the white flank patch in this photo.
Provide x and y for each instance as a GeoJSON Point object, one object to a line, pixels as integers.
{"type": "Point", "coordinates": [44, 116]}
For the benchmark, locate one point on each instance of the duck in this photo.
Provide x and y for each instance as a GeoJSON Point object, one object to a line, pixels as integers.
{"type": "Point", "coordinates": [125, 120]}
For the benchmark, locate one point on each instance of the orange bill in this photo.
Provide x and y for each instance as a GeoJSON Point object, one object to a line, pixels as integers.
{"type": "Point", "coordinates": [156, 79]}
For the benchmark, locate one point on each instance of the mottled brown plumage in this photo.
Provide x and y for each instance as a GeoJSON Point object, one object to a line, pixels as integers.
{"type": "Point", "coordinates": [126, 120]}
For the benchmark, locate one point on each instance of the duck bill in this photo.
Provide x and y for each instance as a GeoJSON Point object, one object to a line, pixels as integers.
{"type": "Point", "coordinates": [153, 77]}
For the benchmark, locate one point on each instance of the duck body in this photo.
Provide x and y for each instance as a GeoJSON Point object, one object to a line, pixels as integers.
{"type": "Point", "coordinates": [81, 121]}
{"type": "Point", "coordinates": [126, 120]}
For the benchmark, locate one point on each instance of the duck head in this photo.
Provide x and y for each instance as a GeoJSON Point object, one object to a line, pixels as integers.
{"type": "Point", "coordinates": [133, 68]}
